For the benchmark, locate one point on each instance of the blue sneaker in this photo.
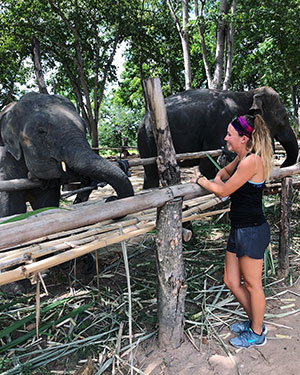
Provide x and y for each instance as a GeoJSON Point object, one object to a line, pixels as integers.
{"type": "Point", "coordinates": [240, 327]}
{"type": "Point", "coordinates": [248, 339]}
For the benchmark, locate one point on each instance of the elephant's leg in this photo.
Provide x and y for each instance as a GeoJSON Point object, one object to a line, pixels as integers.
{"type": "Point", "coordinates": [151, 179]}
{"type": "Point", "coordinates": [12, 203]}
{"type": "Point", "coordinates": [207, 168]}
{"type": "Point", "coordinates": [40, 198]}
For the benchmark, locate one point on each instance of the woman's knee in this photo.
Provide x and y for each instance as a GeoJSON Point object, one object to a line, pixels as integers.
{"type": "Point", "coordinates": [253, 287]}
{"type": "Point", "coordinates": [231, 283]}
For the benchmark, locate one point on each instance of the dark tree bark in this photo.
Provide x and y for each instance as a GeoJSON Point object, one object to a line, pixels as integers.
{"type": "Point", "coordinates": [284, 239]}
{"type": "Point", "coordinates": [295, 101]}
{"type": "Point", "coordinates": [171, 288]}
{"type": "Point", "coordinates": [36, 57]}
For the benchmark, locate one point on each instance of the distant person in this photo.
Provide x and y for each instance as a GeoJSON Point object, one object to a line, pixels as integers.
{"type": "Point", "coordinates": [243, 180]}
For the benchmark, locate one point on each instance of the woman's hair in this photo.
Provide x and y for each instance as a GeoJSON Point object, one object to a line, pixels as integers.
{"type": "Point", "coordinates": [260, 141]}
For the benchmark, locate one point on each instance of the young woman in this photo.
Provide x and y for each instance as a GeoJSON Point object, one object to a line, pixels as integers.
{"type": "Point", "coordinates": [243, 180]}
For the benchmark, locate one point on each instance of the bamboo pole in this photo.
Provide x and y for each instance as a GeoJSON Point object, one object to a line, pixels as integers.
{"type": "Point", "coordinates": [27, 271]}
{"type": "Point", "coordinates": [98, 244]}
{"type": "Point", "coordinates": [68, 240]}
{"type": "Point", "coordinates": [35, 227]}
{"type": "Point", "coordinates": [10, 258]}
{"type": "Point", "coordinates": [24, 183]}
{"type": "Point", "coordinates": [12, 234]}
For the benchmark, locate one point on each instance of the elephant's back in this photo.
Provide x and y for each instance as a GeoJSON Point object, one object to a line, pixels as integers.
{"type": "Point", "coordinates": [196, 116]}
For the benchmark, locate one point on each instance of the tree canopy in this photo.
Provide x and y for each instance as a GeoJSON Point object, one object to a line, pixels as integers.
{"type": "Point", "coordinates": [78, 43]}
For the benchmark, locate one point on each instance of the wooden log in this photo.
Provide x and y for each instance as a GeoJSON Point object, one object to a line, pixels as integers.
{"type": "Point", "coordinates": [28, 270]}
{"type": "Point", "coordinates": [24, 183]}
{"type": "Point", "coordinates": [12, 234]}
{"type": "Point", "coordinates": [284, 237]}
{"type": "Point", "coordinates": [171, 288]}
{"type": "Point", "coordinates": [187, 234]}
{"type": "Point", "coordinates": [35, 227]}
{"type": "Point", "coordinates": [179, 157]}
{"type": "Point", "coordinates": [19, 184]}
{"type": "Point", "coordinates": [284, 172]}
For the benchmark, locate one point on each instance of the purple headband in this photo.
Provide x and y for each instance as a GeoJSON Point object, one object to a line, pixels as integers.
{"type": "Point", "coordinates": [242, 127]}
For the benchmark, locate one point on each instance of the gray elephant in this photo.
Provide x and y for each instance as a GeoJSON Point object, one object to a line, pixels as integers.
{"type": "Point", "coordinates": [43, 136]}
{"type": "Point", "coordinates": [198, 121]}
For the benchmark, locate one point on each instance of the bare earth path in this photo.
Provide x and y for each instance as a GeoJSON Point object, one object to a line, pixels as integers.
{"type": "Point", "coordinates": [280, 356]}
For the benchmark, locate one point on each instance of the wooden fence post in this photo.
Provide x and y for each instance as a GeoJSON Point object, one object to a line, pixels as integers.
{"type": "Point", "coordinates": [171, 288]}
{"type": "Point", "coordinates": [284, 237]}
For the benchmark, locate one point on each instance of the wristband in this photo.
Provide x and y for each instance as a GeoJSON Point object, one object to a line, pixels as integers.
{"type": "Point", "coordinates": [197, 180]}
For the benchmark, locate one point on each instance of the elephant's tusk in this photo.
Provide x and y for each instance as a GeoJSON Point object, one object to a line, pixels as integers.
{"type": "Point", "coordinates": [64, 167]}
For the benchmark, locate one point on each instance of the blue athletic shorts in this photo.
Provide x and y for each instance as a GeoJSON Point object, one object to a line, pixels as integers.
{"type": "Point", "coordinates": [250, 241]}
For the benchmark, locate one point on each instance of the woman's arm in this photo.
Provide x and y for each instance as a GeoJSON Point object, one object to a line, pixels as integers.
{"type": "Point", "coordinates": [225, 173]}
{"type": "Point", "coordinates": [245, 171]}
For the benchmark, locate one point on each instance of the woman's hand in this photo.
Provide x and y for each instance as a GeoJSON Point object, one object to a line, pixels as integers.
{"type": "Point", "coordinates": [218, 180]}
{"type": "Point", "coordinates": [198, 180]}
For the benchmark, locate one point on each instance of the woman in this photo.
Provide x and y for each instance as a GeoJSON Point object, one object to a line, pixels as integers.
{"type": "Point", "coordinates": [243, 180]}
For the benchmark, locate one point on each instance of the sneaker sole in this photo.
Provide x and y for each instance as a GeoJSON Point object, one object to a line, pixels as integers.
{"type": "Point", "coordinates": [251, 346]}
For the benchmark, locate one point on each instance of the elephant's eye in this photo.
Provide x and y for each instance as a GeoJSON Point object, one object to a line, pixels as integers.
{"type": "Point", "coordinates": [42, 131]}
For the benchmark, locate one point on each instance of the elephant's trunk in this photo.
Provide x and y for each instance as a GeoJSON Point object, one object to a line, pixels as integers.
{"type": "Point", "coordinates": [289, 142]}
{"type": "Point", "coordinates": [86, 163]}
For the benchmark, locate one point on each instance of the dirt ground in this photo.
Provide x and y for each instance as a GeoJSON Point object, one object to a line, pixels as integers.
{"type": "Point", "coordinates": [280, 356]}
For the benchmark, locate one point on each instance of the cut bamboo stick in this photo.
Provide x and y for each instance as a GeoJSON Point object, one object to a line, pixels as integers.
{"type": "Point", "coordinates": [96, 243]}
{"type": "Point", "coordinates": [12, 234]}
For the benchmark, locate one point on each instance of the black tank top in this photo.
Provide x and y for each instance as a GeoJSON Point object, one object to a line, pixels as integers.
{"type": "Point", "coordinates": [246, 205]}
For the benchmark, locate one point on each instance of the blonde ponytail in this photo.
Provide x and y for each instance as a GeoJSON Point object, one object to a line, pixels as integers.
{"type": "Point", "coordinates": [260, 142]}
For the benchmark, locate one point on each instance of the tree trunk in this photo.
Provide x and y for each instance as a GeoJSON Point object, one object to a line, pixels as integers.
{"type": "Point", "coordinates": [203, 45]}
{"type": "Point", "coordinates": [284, 239]}
{"type": "Point", "coordinates": [171, 288]}
{"type": "Point", "coordinates": [184, 37]}
{"type": "Point", "coordinates": [230, 44]}
{"type": "Point", "coordinates": [36, 57]}
{"type": "Point", "coordinates": [295, 102]}
{"type": "Point", "coordinates": [220, 46]}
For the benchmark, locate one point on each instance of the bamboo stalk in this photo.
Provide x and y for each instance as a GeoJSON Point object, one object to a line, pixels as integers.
{"type": "Point", "coordinates": [10, 258]}
{"type": "Point", "coordinates": [126, 264]}
{"type": "Point", "coordinates": [12, 234]}
{"type": "Point", "coordinates": [25, 271]}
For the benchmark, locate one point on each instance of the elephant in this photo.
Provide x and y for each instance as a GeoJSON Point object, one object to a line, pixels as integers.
{"type": "Point", "coordinates": [198, 120]}
{"type": "Point", "coordinates": [44, 137]}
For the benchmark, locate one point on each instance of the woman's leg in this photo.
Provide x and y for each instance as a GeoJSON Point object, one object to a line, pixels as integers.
{"type": "Point", "coordinates": [232, 279]}
{"type": "Point", "coordinates": [252, 273]}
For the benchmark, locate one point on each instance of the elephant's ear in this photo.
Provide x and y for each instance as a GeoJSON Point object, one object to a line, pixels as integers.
{"type": "Point", "coordinates": [257, 104]}
{"type": "Point", "coordinates": [10, 136]}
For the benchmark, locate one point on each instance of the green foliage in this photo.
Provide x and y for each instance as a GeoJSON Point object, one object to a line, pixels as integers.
{"type": "Point", "coordinates": [266, 47]}
{"type": "Point", "coordinates": [29, 214]}
{"type": "Point", "coordinates": [118, 121]}
{"type": "Point", "coordinates": [77, 43]}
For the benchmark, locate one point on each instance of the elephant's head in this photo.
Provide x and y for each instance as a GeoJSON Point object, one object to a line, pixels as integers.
{"type": "Point", "coordinates": [267, 102]}
{"type": "Point", "coordinates": [47, 130]}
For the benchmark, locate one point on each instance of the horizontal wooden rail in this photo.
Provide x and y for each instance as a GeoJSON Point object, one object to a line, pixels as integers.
{"type": "Point", "coordinates": [12, 234]}
{"type": "Point", "coordinates": [23, 184]}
